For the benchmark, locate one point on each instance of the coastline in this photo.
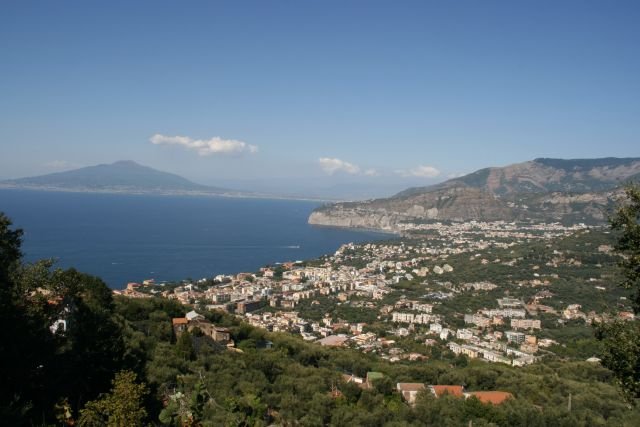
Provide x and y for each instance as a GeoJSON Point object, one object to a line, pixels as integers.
{"type": "Point", "coordinates": [396, 234]}
{"type": "Point", "coordinates": [236, 195]}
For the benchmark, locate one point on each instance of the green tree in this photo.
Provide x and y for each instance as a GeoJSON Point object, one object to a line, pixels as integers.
{"type": "Point", "coordinates": [184, 346]}
{"type": "Point", "coordinates": [621, 340]}
{"type": "Point", "coordinates": [627, 222]}
{"type": "Point", "coordinates": [10, 254]}
{"type": "Point", "coordinates": [186, 409]}
{"type": "Point", "coordinates": [122, 407]}
{"type": "Point", "coordinates": [26, 344]}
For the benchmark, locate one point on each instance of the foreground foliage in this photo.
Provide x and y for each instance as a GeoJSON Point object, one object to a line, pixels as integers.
{"type": "Point", "coordinates": [121, 407]}
{"type": "Point", "coordinates": [622, 339]}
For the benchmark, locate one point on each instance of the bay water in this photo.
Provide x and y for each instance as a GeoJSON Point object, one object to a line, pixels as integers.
{"type": "Point", "coordinates": [123, 238]}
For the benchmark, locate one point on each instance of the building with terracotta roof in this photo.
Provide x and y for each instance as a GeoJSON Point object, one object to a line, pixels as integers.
{"type": "Point", "coordinates": [179, 324]}
{"type": "Point", "coordinates": [493, 397]}
{"type": "Point", "coordinates": [441, 390]}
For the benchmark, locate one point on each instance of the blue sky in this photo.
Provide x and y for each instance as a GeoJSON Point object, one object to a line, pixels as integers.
{"type": "Point", "coordinates": [388, 94]}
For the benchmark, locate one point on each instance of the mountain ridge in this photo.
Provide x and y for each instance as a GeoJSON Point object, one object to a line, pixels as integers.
{"type": "Point", "coordinates": [125, 176]}
{"type": "Point", "coordinates": [543, 189]}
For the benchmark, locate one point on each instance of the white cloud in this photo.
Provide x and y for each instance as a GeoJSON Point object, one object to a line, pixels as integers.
{"type": "Point", "coordinates": [421, 171]}
{"type": "Point", "coordinates": [371, 172]}
{"type": "Point", "coordinates": [206, 147]}
{"type": "Point", "coordinates": [331, 166]}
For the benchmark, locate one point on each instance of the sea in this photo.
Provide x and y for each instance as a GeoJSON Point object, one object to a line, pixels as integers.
{"type": "Point", "coordinates": [129, 238]}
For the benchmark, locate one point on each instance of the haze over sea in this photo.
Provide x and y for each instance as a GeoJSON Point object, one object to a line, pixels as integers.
{"type": "Point", "coordinates": [124, 238]}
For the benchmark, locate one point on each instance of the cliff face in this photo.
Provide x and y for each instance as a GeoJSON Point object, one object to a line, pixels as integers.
{"type": "Point", "coordinates": [541, 190]}
{"type": "Point", "coordinates": [456, 203]}
{"type": "Point", "coordinates": [353, 218]}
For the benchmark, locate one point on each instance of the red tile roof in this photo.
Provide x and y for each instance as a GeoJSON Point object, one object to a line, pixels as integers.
{"type": "Point", "coordinates": [494, 397]}
{"type": "Point", "coordinates": [179, 321]}
{"type": "Point", "coordinates": [453, 390]}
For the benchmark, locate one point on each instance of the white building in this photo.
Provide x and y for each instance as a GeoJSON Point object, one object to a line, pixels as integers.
{"type": "Point", "coordinates": [444, 333]}
{"type": "Point", "coordinates": [464, 334]}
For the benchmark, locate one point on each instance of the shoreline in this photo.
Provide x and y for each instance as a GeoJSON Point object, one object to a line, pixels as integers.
{"type": "Point", "coordinates": [234, 195]}
{"type": "Point", "coordinates": [397, 234]}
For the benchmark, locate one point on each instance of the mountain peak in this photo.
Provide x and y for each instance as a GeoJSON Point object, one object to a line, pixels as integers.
{"type": "Point", "coordinates": [130, 163]}
{"type": "Point", "coordinates": [121, 176]}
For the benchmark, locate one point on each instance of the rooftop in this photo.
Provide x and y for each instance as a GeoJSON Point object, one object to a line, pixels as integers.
{"type": "Point", "coordinates": [493, 397]}
{"type": "Point", "coordinates": [440, 390]}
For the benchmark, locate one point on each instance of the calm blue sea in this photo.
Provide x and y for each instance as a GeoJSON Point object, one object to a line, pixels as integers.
{"type": "Point", "coordinates": [123, 238]}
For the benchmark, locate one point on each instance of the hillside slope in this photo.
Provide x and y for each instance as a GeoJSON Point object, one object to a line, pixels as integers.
{"type": "Point", "coordinates": [540, 190]}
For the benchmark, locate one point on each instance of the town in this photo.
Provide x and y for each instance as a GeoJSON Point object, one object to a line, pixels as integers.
{"type": "Point", "coordinates": [498, 292]}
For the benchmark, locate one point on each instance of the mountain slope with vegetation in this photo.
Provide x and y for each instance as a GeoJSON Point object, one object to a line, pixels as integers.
{"type": "Point", "coordinates": [579, 190]}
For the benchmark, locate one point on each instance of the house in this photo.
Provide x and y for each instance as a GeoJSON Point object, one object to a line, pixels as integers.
{"type": "Point", "coordinates": [268, 272]}
{"type": "Point", "coordinates": [515, 337]}
{"type": "Point", "coordinates": [353, 379]}
{"type": "Point", "coordinates": [526, 324]}
{"type": "Point", "coordinates": [493, 397]}
{"type": "Point", "coordinates": [523, 360]}
{"type": "Point", "coordinates": [243, 307]}
{"type": "Point", "coordinates": [444, 334]}
{"type": "Point", "coordinates": [409, 391]}
{"type": "Point", "coordinates": [435, 328]}
{"type": "Point", "coordinates": [441, 390]}
{"type": "Point", "coordinates": [193, 315]}
{"type": "Point", "coordinates": [509, 302]}
{"type": "Point", "coordinates": [471, 351]}
{"type": "Point", "coordinates": [216, 333]}
{"type": "Point", "coordinates": [179, 325]}
{"type": "Point", "coordinates": [132, 286]}
{"type": "Point", "coordinates": [464, 334]}
{"type": "Point", "coordinates": [492, 356]}
{"type": "Point", "coordinates": [220, 298]}
{"type": "Point", "coordinates": [288, 303]}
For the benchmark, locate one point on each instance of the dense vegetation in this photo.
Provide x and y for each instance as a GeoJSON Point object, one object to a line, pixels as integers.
{"type": "Point", "coordinates": [622, 339]}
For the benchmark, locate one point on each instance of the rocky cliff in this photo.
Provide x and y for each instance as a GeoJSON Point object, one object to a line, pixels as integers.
{"type": "Point", "coordinates": [540, 190]}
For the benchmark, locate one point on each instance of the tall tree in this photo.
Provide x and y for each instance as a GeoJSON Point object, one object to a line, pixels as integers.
{"type": "Point", "coordinates": [622, 339]}
{"type": "Point", "coordinates": [627, 222]}
{"type": "Point", "coordinates": [10, 254]}
{"type": "Point", "coordinates": [26, 345]}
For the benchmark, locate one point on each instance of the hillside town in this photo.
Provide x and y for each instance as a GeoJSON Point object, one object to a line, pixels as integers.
{"type": "Point", "coordinates": [470, 289]}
